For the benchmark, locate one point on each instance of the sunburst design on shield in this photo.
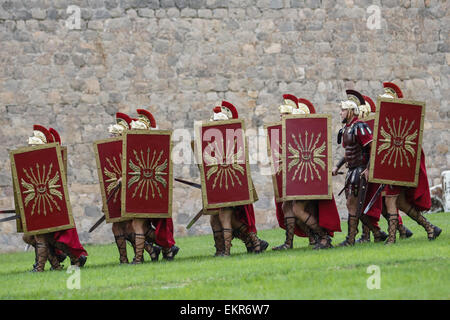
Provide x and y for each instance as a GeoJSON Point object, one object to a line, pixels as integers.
{"type": "Point", "coordinates": [147, 174]}
{"type": "Point", "coordinates": [397, 142]}
{"type": "Point", "coordinates": [306, 157]}
{"type": "Point", "coordinates": [41, 189]}
{"type": "Point", "coordinates": [114, 173]}
{"type": "Point", "coordinates": [224, 167]}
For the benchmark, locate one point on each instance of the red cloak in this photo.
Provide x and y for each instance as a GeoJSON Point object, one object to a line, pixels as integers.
{"type": "Point", "coordinates": [70, 238]}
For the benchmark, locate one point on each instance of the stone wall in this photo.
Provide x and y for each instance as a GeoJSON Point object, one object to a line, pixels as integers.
{"type": "Point", "coordinates": [178, 58]}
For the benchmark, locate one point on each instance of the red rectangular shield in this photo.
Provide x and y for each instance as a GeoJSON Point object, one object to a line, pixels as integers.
{"type": "Point", "coordinates": [306, 157]}
{"type": "Point", "coordinates": [397, 142]}
{"type": "Point", "coordinates": [108, 154]}
{"type": "Point", "coordinates": [147, 180]}
{"type": "Point", "coordinates": [41, 189]}
{"type": "Point", "coordinates": [274, 151]}
{"type": "Point", "coordinates": [224, 166]}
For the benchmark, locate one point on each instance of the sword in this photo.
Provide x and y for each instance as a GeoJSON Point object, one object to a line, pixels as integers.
{"type": "Point", "coordinates": [194, 220]}
{"type": "Point", "coordinates": [17, 216]}
{"type": "Point", "coordinates": [97, 223]}
{"type": "Point", "coordinates": [8, 211]}
{"type": "Point", "coordinates": [192, 184]}
{"type": "Point", "coordinates": [375, 196]}
{"type": "Point", "coordinates": [103, 218]}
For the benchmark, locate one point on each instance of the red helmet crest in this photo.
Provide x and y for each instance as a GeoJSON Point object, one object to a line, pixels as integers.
{"type": "Point", "coordinates": [45, 132]}
{"type": "Point", "coordinates": [393, 89]}
{"type": "Point", "coordinates": [55, 135]}
{"type": "Point", "coordinates": [231, 108]}
{"type": "Point", "coordinates": [371, 103]}
{"type": "Point", "coordinates": [124, 119]}
{"type": "Point", "coordinates": [146, 117]}
{"type": "Point", "coordinates": [307, 103]}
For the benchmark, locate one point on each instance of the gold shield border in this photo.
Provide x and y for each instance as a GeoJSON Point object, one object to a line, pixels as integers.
{"type": "Point", "coordinates": [102, 182]}
{"type": "Point", "coordinates": [375, 139]}
{"type": "Point", "coordinates": [251, 191]}
{"type": "Point", "coordinates": [283, 129]}
{"type": "Point", "coordinates": [124, 174]}
{"type": "Point", "coordinates": [278, 196]}
{"type": "Point", "coordinates": [19, 195]}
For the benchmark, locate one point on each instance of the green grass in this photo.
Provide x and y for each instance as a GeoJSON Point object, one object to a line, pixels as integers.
{"type": "Point", "coordinates": [414, 268]}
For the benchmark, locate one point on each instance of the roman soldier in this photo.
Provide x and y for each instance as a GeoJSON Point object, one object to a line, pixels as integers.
{"type": "Point", "coordinates": [409, 200]}
{"type": "Point", "coordinates": [152, 230]}
{"type": "Point", "coordinates": [123, 230]}
{"type": "Point", "coordinates": [356, 138]}
{"type": "Point", "coordinates": [55, 245]}
{"type": "Point", "coordinates": [238, 221]}
{"type": "Point", "coordinates": [367, 114]}
{"type": "Point", "coordinates": [316, 219]}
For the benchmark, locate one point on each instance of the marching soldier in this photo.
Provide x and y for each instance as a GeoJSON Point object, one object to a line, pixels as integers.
{"type": "Point", "coordinates": [238, 221]}
{"type": "Point", "coordinates": [151, 230]}
{"type": "Point", "coordinates": [356, 138]}
{"type": "Point", "coordinates": [123, 230]}
{"type": "Point", "coordinates": [65, 241]}
{"type": "Point", "coordinates": [311, 218]}
{"type": "Point", "coordinates": [409, 200]}
{"type": "Point", "coordinates": [366, 112]}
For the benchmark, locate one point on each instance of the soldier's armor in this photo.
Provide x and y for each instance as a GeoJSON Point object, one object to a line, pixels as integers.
{"type": "Point", "coordinates": [356, 156]}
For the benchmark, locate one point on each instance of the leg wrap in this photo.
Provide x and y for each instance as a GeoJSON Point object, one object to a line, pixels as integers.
{"type": "Point", "coordinates": [365, 236]}
{"type": "Point", "coordinates": [432, 231]}
{"type": "Point", "coordinates": [122, 247]}
{"type": "Point", "coordinates": [352, 231]}
{"type": "Point", "coordinates": [54, 262]}
{"type": "Point", "coordinates": [377, 234]}
{"type": "Point", "coordinates": [392, 227]}
{"type": "Point", "coordinates": [227, 236]}
{"type": "Point", "coordinates": [140, 240]}
{"type": "Point", "coordinates": [42, 256]}
{"type": "Point", "coordinates": [290, 229]}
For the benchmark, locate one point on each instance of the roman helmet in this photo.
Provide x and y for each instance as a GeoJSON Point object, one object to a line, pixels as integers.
{"type": "Point", "coordinates": [353, 102]}
{"type": "Point", "coordinates": [40, 135]}
{"type": "Point", "coordinates": [391, 90]}
{"type": "Point", "coordinates": [226, 111]}
{"type": "Point", "coordinates": [122, 124]}
{"type": "Point", "coordinates": [306, 106]}
{"type": "Point", "coordinates": [145, 120]}
{"type": "Point", "coordinates": [367, 108]}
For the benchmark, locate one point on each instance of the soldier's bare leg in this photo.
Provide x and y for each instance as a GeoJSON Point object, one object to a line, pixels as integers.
{"type": "Point", "coordinates": [225, 220]}
{"type": "Point", "coordinates": [41, 250]}
{"type": "Point", "coordinates": [139, 233]}
{"type": "Point", "coordinates": [289, 222]}
{"type": "Point", "coordinates": [392, 214]}
{"type": "Point", "coordinates": [353, 220]}
{"type": "Point", "coordinates": [118, 229]}
{"type": "Point", "coordinates": [307, 231]}
{"type": "Point", "coordinates": [432, 231]}
{"type": "Point", "coordinates": [306, 212]}
{"type": "Point", "coordinates": [401, 228]}
{"type": "Point", "coordinates": [250, 239]}
{"type": "Point", "coordinates": [150, 238]}
{"type": "Point", "coordinates": [217, 229]}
